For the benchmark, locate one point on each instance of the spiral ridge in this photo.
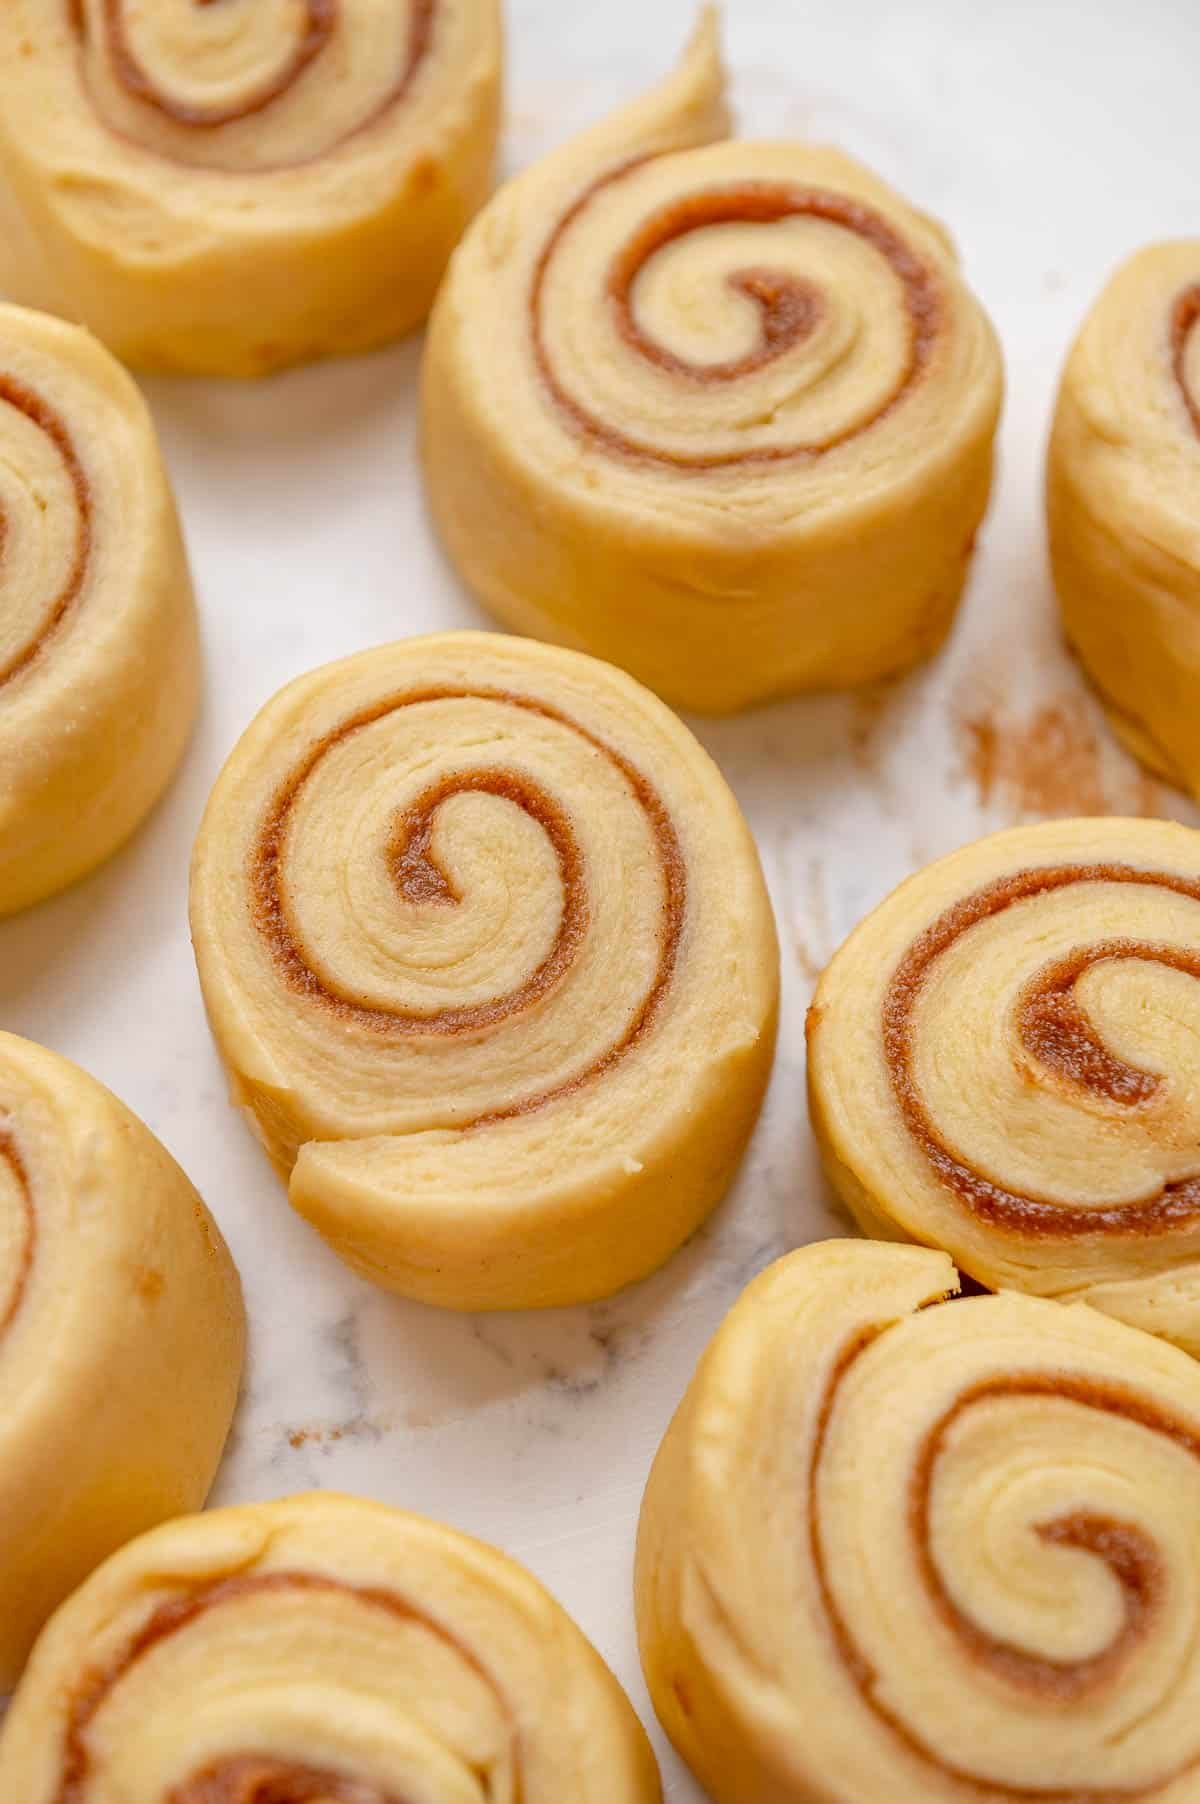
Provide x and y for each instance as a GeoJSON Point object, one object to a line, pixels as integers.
{"type": "Point", "coordinates": [459, 906]}
{"type": "Point", "coordinates": [163, 164]}
{"type": "Point", "coordinates": [978, 1514]}
{"type": "Point", "coordinates": [106, 33]}
{"type": "Point", "coordinates": [15, 394]}
{"type": "Point", "coordinates": [320, 1650]}
{"type": "Point", "coordinates": [791, 308]}
{"type": "Point", "coordinates": [1029, 1032]}
{"type": "Point", "coordinates": [98, 653]}
{"type": "Point", "coordinates": [746, 387]}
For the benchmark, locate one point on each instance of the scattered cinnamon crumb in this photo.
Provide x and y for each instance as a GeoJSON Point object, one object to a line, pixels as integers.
{"type": "Point", "coordinates": [1050, 764]}
{"type": "Point", "coordinates": [302, 1437]}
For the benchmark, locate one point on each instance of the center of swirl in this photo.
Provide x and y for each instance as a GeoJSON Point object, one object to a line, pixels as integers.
{"type": "Point", "coordinates": [421, 880]}
{"type": "Point", "coordinates": [1130, 1555]}
{"type": "Point", "coordinates": [789, 307]}
{"type": "Point", "coordinates": [1053, 1030]}
{"type": "Point", "coordinates": [248, 1778]}
{"type": "Point", "coordinates": [1185, 316]}
{"type": "Point", "coordinates": [15, 394]}
{"type": "Point", "coordinates": [318, 23]}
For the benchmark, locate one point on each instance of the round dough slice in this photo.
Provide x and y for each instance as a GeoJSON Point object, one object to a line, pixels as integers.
{"type": "Point", "coordinates": [226, 189]}
{"type": "Point", "coordinates": [719, 412]}
{"type": "Point", "coordinates": [893, 1551]}
{"type": "Point", "coordinates": [319, 1650]}
{"type": "Point", "coordinates": [487, 951]}
{"type": "Point", "coordinates": [121, 1337]}
{"type": "Point", "coordinates": [99, 659]}
{"type": "Point", "coordinates": [1123, 498]}
{"type": "Point", "coordinates": [1004, 1061]}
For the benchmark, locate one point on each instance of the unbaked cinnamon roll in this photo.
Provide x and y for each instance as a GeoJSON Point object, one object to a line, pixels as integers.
{"type": "Point", "coordinates": [719, 412]}
{"type": "Point", "coordinates": [99, 661]}
{"type": "Point", "coordinates": [121, 1337]}
{"type": "Point", "coordinates": [893, 1551]}
{"type": "Point", "coordinates": [1123, 494]}
{"type": "Point", "coordinates": [1004, 1061]}
{"type": "Point", "coordinates": [319, 1650]}
{"type": "Point", "coordinates": [487, 952]}
{"type": "Point", "coordinates": [229, 188]}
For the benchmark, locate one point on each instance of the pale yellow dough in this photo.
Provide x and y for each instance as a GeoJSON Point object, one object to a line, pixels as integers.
{"type": "Point", "coordinates": [1123, 498]}
{"type": "Point", "coordinates": [326, 1649]}
{"type": "Point", "coordinates": [228, 189]}
{"type": "Point", "coordinates": [1004, 1061]}
{"type": "Point", "coordinates": [99, 658]}
{"type": "Point", "coordinates": [121, 1337]}
{"type": "Point", "coordinates": [486, 948]}
{"type": "Point", "coordinates": [719, 412]}
{"type": "Point", "coordinates": [890, 1552]}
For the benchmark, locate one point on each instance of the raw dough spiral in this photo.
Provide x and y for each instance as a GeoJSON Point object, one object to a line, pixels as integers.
{"type": "Point", "coordinates": [120, 1337]}
{"type": "Point", "coordinates": [99, 663]}
{"type": "Point", "coordinates": [1004, 1060]}
{"type": "Point", "coordinates": [723, 416]}
{"type": "Point", "coordinates": [1123, 495]}
{"type": "Point", "coordinates": [319, 1650]}
{"type": "Point", "coordinates": [229, 188]}
{"type": "Point", "coordinates": [950, 1554]}
{"type": "Point", "coordinates": [486, 948]}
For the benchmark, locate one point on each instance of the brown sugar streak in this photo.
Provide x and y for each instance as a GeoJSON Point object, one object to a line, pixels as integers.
{"type": "Point", "coordinates": [789, 307]}
{"type": "Point", "coordinates": [180, 1613]}
{"type": "Point", "coordinates": [1185, 316]}
{"type": "Point", "coordinates": [321, 21]}
{"type": "Point", "coordinates": [1127, 1551]}
{"type": "Point", "coordinates": [251, 1779]}
{"type": "Point", "coordinates": [17, 395]}
{"type": "Point", "coordinates": [421, 880]}
{"type": "Point", "coordinates": [18, 1280]}
{"type": "Point", "coordinates": [1053, 1029]}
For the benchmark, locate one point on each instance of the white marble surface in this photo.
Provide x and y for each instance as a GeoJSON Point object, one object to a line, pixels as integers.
{"type": "Point", "coordinates": [1054, 136]}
